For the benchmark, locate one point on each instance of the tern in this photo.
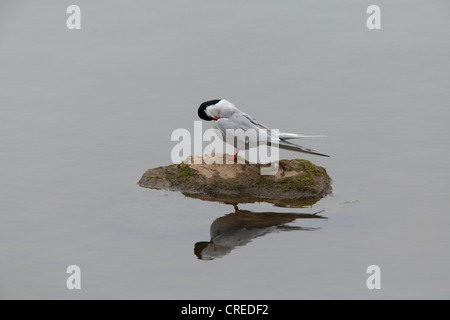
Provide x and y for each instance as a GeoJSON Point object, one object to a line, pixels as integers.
{"type": "Point", "coordinates": [231, 123]}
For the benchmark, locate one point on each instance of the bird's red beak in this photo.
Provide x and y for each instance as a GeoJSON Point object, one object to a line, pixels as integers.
{"type": "Point", "coordinates": [217, 118]}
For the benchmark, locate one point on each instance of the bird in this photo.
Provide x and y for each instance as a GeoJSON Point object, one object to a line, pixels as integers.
{"type": "Point", "coordinates": [228, 119]}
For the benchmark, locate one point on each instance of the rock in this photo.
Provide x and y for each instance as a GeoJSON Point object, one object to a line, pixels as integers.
{"type": "Point", "coordinates": [297, 183]}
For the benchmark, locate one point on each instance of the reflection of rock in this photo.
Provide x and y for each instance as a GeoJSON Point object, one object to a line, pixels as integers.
{"type": "Point", "coordinates": [288, 202]}
{"type": "Point", "coordinates": [240, 228]}
{"type": "Point", "coordinates": [296, 181]}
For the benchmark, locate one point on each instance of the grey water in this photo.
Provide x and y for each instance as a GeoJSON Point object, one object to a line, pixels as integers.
{"type": "Point", "coordinates": [84, 113]}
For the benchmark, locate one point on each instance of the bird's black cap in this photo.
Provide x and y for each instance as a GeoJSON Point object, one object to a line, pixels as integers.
{"type": "Point", "coordinates": [198, 248]}
{"type": "Point", "coordinates": [201, 110]}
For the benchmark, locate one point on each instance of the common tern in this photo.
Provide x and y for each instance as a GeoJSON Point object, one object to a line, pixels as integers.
{"type": "Point", "coordinates": [229, 120]}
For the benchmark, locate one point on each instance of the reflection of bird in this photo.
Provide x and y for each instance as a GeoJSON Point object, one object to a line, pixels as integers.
{"type": "Point", "coordinates": [241, 227]}
{"type": "Point", "coordinates": [230, 120]}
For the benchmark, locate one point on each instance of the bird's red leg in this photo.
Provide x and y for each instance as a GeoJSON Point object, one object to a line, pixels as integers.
{"type": "Point", "coordinates": [237, 151]}
{"type": "Point", "coordinates": [233, 157]}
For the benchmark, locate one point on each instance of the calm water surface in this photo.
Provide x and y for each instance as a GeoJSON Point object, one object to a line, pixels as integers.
{"type": "Point", "coordinates": [84, 114]}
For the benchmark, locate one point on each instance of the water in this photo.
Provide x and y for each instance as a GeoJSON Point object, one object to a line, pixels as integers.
{"type": "Point", "coordinates": [85, 113]}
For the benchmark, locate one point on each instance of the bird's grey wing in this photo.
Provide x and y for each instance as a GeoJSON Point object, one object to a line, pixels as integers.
{"type": "Point", "coordinates": [244, 130]}
{"type": "Point", "coordinates": [270, 135]}
{"type": "Point", "coordinates": [280, 135]}
{"type": "Point", "coordinates": [241, 121]}
{"type": "Point", "coordinates": [254, 121]}
{"type": "Point", "coordinates": [276, 134]}
{"type": "Point", "coordinates": [294, 147]}
{"type": "Point", "coordinates": [235, 122]}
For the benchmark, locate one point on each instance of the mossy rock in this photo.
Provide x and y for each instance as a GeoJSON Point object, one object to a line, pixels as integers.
{"type": "Point", "coordinates": [296, 183]}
